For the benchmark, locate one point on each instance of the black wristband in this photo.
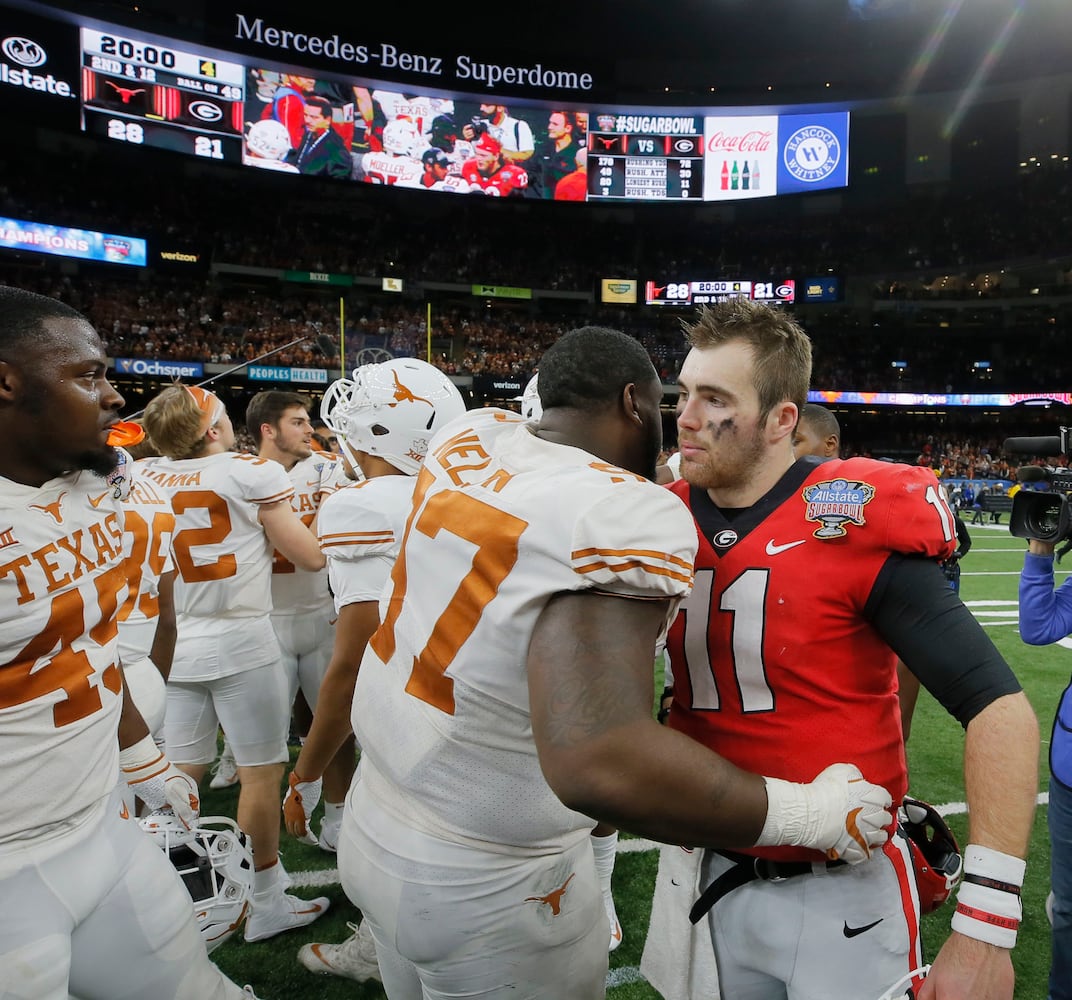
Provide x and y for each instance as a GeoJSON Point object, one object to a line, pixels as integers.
{"type": "Point", "coordinates": [992, 883]}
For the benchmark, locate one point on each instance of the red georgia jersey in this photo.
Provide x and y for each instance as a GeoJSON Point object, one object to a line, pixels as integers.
{"type": "Point", "coordinates": [775, 665]}
{"type": "Point", "coordinates": [504, 182]}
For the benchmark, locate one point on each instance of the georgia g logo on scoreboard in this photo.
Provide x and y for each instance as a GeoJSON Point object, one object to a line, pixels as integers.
{"type": "Point", "coordinates": [812, 153]}
{"type": "Point", "coordinates": [24, 51]}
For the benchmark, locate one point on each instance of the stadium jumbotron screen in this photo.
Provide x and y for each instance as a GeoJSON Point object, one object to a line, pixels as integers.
{"type": "Point", "coordinates": [140, 89]}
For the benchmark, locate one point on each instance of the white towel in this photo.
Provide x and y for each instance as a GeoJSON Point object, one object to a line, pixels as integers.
{"type": "Point", "coordinates": [679, 958]}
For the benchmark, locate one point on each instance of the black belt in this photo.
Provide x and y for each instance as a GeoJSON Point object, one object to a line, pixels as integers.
{"type": "Point", "coordinates": [747, 868]}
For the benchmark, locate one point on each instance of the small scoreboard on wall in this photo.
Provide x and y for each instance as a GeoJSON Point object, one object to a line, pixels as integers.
{"type": "Point", "coordinates": [157, 95]}
{"type": "Point", "coordinates": [697, 293]}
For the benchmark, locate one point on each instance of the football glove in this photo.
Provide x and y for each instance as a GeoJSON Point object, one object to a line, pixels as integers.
{"type": "Point", "coordinates": [158, 782]}
{"type": "Point", "coordinates": [839, 813]}
{"type": "Point", "coordinates": [298, 806]}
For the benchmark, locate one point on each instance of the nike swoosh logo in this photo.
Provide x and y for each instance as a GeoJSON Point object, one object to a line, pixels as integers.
{"type": "Point", "coordinates": [773, 550]}
{"type": "Point", "coordinates": [96, 501]}
{"type": "Point", "coordinates": [312, 482]}
{"type": "Point", "coordinates": [851, 932]}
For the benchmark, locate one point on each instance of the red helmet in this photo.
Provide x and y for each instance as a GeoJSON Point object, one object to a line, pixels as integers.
{"type": "Point", "coordinates": [936, 855]}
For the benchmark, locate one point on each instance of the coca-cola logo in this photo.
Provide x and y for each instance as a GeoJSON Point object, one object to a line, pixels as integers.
{"type": "Point", "coordinates": [753, 141]}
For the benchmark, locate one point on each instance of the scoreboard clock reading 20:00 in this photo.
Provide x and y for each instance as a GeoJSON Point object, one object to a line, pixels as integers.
{"type": "Point", "coordinates": [697, 293]}
{"type": "Point", "coordinates": [150, 94]}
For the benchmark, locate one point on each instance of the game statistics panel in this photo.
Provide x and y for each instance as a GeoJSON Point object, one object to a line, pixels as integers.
{"type": "Point", "coordinates": [645, 158]}
{"type": "Point", "coordinates": [149, 93]}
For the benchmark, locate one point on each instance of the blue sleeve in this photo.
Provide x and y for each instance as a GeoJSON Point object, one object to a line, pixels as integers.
{"type": "Point", "coordinates": [1045, 614]}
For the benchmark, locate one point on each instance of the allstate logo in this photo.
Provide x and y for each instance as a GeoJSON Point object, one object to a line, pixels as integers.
{"type": "Point", "coordinates": [812, 153]}
{"type": "Point", "coordinates": [24, 51]}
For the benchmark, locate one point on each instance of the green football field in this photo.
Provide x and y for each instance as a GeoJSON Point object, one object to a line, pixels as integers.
{"type": "Point", "coordinates": [988, 586]}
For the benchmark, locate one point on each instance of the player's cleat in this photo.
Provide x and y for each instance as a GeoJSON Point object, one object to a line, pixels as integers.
{"type": "Point", "coordinates": [329, 835]}
{"type": "Point", "coordinates": [615, 923]}
{"type": "Point", "coordinates": [224, 771]}
{"type": "Point", "coordinates": [275, 912]}
{"type": "Point", "coordinates": [354, 958]}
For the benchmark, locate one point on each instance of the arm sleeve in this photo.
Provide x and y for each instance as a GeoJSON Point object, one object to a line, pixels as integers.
{"type": "Point", "coordinates": [913, 608]}
{"type": "Point", "coordinates": [1045, 613]}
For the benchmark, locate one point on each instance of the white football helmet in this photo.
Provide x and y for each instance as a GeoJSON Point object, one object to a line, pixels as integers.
{"type": "Point", "coordinates": [531, 407]}
{"type": "Point", "coordinates": [268, 139]}
{"type": "Point", "coordinates": [402, 138]}
{"type": "Point", "coordinates": [901, 990]}
{"type": "Point", "coordinates": [215, 864]}
{"type": "Point", "coordinates": [392, 409]}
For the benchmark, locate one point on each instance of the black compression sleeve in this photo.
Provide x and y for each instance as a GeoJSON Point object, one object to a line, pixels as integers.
{"type": "Point", "coordinates": [913, 608]}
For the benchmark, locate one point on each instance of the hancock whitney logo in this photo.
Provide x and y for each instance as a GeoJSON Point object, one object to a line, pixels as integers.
{"type": "Point", "coordinates": [835, 503]}
{"type": "Point", "coordinates": [812, 153]}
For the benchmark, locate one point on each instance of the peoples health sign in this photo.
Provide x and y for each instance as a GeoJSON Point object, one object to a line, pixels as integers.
{"type": "Point", "coordinates": [274, 373]}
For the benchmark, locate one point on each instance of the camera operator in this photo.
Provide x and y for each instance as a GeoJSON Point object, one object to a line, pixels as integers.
{"type": "Point", "coordinates": [1045, 617]}
{"type": "Point", "coordinates": [951, 566]}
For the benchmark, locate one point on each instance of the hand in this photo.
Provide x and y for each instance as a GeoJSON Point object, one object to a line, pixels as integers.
{"type": "Point", "coordinates": [852, 813]}
{"type": "Point", "coordinates": [298, 806]}
{"type": "Point", "coordinates": [158, 782]}
{"type": "Point", "coordinates": [966, 969]}
{"type": "Point", "coordinates": [839, 812]}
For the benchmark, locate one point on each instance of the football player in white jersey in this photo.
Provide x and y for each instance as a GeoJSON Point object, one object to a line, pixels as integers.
{"type": "Point", "coordinates": [303, 614]}
{"type": "Point", "coordinates": [505, 698]}
{"type": "Point", "coordinates": [385, 416]}
{"type": "Point", "coordinates": [604, 836]}
{"type": "Point", "coordinates": [230, 510]}
{"type": "Point", "coordinates": [91, 907]}
{"type": "Point", "coordinates": [147, 617]}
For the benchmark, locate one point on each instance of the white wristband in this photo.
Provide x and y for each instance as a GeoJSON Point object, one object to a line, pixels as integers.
{"type": "Point", "coordinates": [787, 814]}
{"type": "Point", "coordinates": [993, 864]}
{"type": "Point", "coordinates": [145, 751]}
{"type": "Point", "coordinates": [985, 911]}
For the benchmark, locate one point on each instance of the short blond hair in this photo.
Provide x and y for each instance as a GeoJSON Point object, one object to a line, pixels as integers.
{"type": "Point", "coordinates": [173, 422]}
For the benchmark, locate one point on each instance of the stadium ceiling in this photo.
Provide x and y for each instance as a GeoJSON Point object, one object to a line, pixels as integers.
{"type": "Point", "coordinates": [746, 50]}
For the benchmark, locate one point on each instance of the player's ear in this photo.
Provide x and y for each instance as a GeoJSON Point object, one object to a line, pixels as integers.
{"type": "Point", "coordinates": [782, 420]}
{"type": "Point", "coordinates": [10, 381]}
{"type": "Point", "coordinates": [629, 403]}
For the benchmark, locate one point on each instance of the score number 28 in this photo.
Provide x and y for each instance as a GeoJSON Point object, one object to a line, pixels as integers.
{"type": "Point", "coordinates": [132, 132]}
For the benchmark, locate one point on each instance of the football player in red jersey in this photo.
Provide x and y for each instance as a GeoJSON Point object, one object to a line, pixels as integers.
{"type": "Point", "coordinates": [809, 576]}
{"type": "Point", "coordinates": [488, 172]}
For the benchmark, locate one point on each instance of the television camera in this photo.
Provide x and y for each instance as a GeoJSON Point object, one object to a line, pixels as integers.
{"type": "Point", "coordinates": [1042, 513]}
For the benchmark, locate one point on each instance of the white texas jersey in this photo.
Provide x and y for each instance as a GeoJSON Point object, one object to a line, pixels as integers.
{"type": "Point", "coordinates": [148, 526]}
{"type": "Point", "coordinates": [222, 557]}
{"type": "Point", "coordinates": [294, 590]}
{"type": "Point", "coordinates": [361, 529]}
{"type": "Point", "coordinates": [501, 521]}
{"type": "Point", "coordinates": [61, 583]}
{"type": "Point", "coordinates": [386, 168]}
